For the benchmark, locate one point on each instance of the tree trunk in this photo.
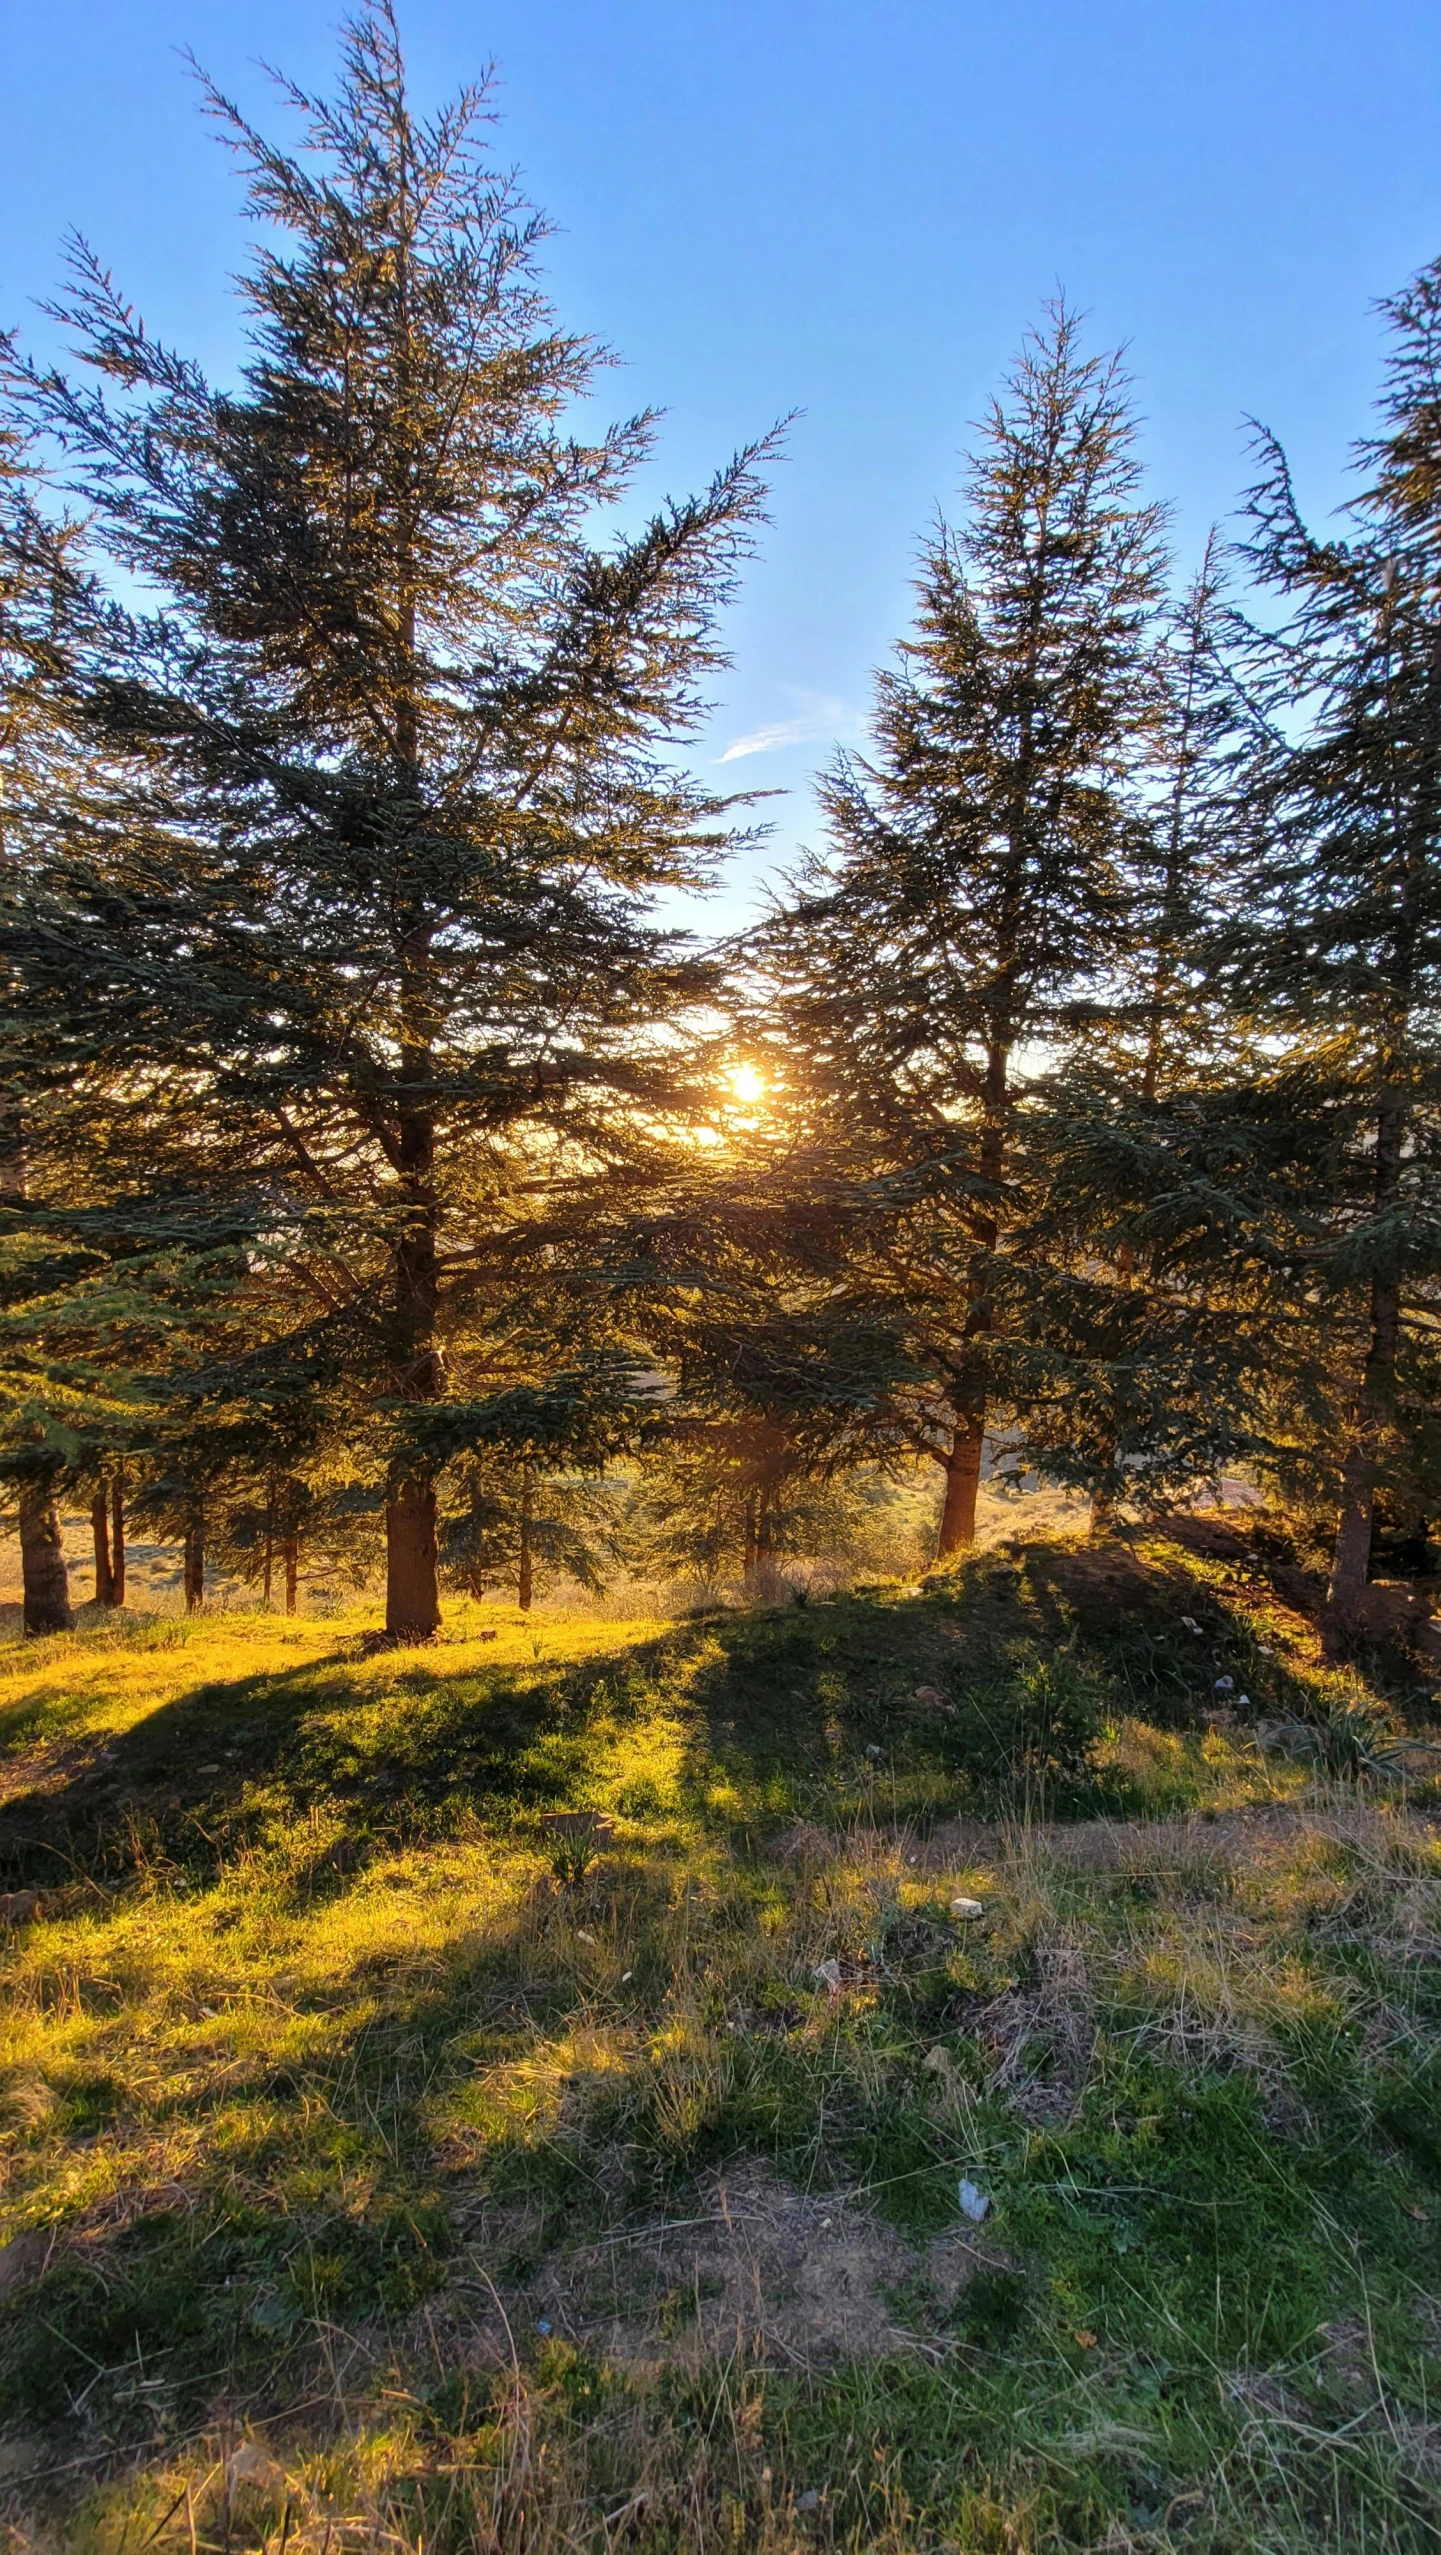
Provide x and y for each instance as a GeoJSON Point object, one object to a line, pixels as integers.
{"type": "Point", "coordinates": [527, 1518]}
{"type": "Point", "coordinates": [42, 1563]}
{"type": "Point", "coordinates": [1375, 1404]}
{"type": "Point", "coordinates": [412, 1594]}
{"type": "Point", "coordinates": [100, 1535]}
{"type": "Point", "coordinates": [267, 1576]}
{"type": "Point", "coordinates": [1103, 1506]}
{"type": "Point", "coordinates": [117, 1539]}
{"type": "Point", "coordinates": [194, 1565]}
{"type": "Point", "coordinates": [1351, 1561]}
{"type": "Point", "coordinates": [963, 1476]}
{"type": "Point", "coordinates": [750, 1554]}
{"type": "Point", "coordinates": [290, 1550]}
{"type": "Point", "coordinates": [963, 1464]}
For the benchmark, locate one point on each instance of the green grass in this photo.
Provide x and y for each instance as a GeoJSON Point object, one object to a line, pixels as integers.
{"type": "Point", "coordinates": [332, 2075]}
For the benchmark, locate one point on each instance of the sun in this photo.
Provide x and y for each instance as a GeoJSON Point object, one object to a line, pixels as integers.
{"type": "Point", "coordinates": [748, 1085]}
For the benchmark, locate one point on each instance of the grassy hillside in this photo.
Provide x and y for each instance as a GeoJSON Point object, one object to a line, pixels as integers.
{"type": "Point", "coordinates": [516, 2094]}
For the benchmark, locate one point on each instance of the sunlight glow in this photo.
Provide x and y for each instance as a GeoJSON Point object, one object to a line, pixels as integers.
{"type": "Point", "coordinates": [748, 1085]}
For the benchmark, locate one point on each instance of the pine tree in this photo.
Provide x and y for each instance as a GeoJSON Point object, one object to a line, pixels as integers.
{"type": "Point", "coordinates": [390, 797]}
{"type": "Point", "coordinates": [1336, 950]}
{"type": "Point", "coordinates": [977, 879]}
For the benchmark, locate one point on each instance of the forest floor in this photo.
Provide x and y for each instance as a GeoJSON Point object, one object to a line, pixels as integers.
{"type": "Point", "coordinates": [903, 2072]}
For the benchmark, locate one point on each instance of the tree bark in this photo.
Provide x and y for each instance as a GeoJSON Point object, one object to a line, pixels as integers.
{"type": "Point", "coordinates": [100, 1535]}
{"type": "Point", "coordinates": [1375, 1406]}
{"type": "Point", "coordinates": [963, 1463]}
{"type": "Point", "coordinates": [527, 1519]}
{"type": "Point", "coordinates": [1103, 1508]}
{"type": "Point", "coordinates": [42, 1563]}
{"type": "Point", "coordinates": [117, 1539]}
{"type": "Point", "coordinates": [267, 1576]}
{"type": "Point", "coordinates": [963, 1476]}
{"type": "Point", "coordinates": [412, 1596]}
{"type": "Point", "coordinates": [412, 1601]}
{"type": "Point", "coordinates": [194, 1569]}
{"type": "Point", "coordinates": [290, 1549]}
{"type": "Point", "coordinates": [1351, 1561]}
{"type": "Point", "coordinates": [750, 1550]}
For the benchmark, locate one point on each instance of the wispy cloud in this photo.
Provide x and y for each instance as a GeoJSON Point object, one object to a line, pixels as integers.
{"type": "Point", "coordinates": [818, 717]}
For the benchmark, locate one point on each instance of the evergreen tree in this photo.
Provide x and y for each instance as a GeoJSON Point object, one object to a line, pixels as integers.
{"type": "Point", "coordinates": [1336, 950]}
{"type": "Point", "coordinates": [977, 884]}
{"type": "Point", "coordinates": [369, 917]}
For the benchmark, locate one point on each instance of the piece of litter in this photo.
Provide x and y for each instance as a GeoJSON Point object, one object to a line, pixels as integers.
{"type": "Point", "coordinates": [542, 2324]}
{"type": "Point", "coordinates": [581, 1935]}
{"type": "Point", "coordinates": [626, 1976]}
{"type": "Point", "coordinates": [873, 1752]}
{"type": "Point", "coordinates": [829, 1974]}
{"type": "Point", "coordinates": [825, 2222]}
{"type": "Point", "coordinates": [967, 1907]}
{"type": "Point", "coordinates": [974, 2203]}
{"type": "Point", "coordinates": [808, 2501]}
{"type": "Point", "coordinates": [1225, 1685]}
{"type": "Point", "coordinates": [1190, 1623]}
{"type": "Point", "coordinates": [1243, 1703]}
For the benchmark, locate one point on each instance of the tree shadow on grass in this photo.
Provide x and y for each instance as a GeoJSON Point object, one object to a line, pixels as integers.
{"type": "Point", "coordinates": [234, 1763]}
{"type": "Point", "coordinates": [797, 1710]}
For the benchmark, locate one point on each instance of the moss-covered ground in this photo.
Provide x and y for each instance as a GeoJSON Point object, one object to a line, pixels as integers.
{"type": "Point", "coordinates": [394, 2159]}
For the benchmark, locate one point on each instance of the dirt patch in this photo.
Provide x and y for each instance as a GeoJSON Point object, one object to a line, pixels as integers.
{"type": "Point", "coordinates": [761, 2273]}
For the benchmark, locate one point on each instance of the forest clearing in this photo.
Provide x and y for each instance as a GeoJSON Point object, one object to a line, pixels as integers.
{"type": "Point", "coordinates": [720, 1709]}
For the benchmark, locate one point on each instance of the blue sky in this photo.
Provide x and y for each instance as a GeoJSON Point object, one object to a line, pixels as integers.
{"type": "Point", "coordinates": [847, 207]}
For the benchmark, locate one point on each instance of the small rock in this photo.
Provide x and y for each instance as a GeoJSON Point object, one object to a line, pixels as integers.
{"type": "Point", "coordinates": [1224, 1685]}
{"type": "Point", "coordinates": [808, 2501]}
{"type": "Point", "coordinates": [626, 1976]}
{"type": "Point", "coordinates": [17, 1907]}
{"type": "Point", "coordinates": [1190, 1623]}
{"type": "Point", "coordinates": [934, 1700]}
{"type": "Point", "coordinates": [582, 1936]}
{"type": "Point", "coordinates": [974, 2203]}
{"type": "Point", "coordinates": [1243, 1703]}
{"type": "Point", "coordinates": [938, 2060]}
{"type": "Point", "coordinates": [967, 1907]}
{"type": "Point", "coordinates": [873, 1752]}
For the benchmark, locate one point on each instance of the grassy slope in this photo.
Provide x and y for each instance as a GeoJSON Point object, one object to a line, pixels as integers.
{"type": "Point", "coordinates": [326, 2072]}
